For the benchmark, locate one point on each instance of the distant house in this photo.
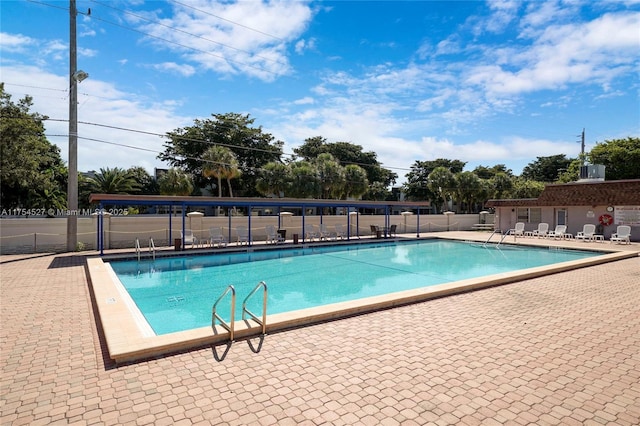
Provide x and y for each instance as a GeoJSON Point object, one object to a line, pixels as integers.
{"type": "Point", "coordinates": [605, 204]}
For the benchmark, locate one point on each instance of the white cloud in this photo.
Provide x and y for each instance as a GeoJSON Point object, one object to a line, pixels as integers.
{"type": "Point", "coordinates": [566, 54]}
{"type": "Point", "coordinates": [15, 42]}
{"type": "Point", "coordinates": [504, 12]}
{"type": "Point", "coordinates": [171, 67]}
{"type": "Point", "coordinates": [102, 103]}
{"type": "Point", "coordinates": [239, 37]}
{"type": "Point", "coordinates": [304, 101]}
{"type": "Point", "coordinates": [304, 45]}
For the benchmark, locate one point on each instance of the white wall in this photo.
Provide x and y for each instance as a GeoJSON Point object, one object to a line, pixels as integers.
{"type": "Point", "coordinates": [577, 217]}
{"type": "Point", "coordinates": [31, 235]}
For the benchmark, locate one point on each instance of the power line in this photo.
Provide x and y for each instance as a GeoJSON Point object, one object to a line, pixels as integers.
{"type": "Point", "coordinates": [188, 33]}
{"type": "Point", "coordinates": [48, 4]}
{"type": "Point", "coordinates": [227, 20]}
{"type": "Point", "coordinates": [186, 157]}
{"type": "Point", "coordinates": [183, 45]}
{"type": "Point", "coordinates": [93, 16]}
{"type": "Point", "coordinates": [222, 125]}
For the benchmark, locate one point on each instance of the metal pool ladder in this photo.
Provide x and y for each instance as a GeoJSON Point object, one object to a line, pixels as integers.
{"type": "Point", "coordinates": [262, 322]}
{"type": "Point", "coordinates": [215, 316]}
{"type": "Point", "coordinates": [152, 248]}
{"type": "Point", "coordinates": [496, 231]}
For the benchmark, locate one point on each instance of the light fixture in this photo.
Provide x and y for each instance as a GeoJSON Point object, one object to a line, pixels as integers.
{"type": "Point", "coordinates": [80, 76]}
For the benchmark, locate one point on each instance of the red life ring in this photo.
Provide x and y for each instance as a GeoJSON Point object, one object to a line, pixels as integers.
{"type": "Point", "coordinates": [605, 219]}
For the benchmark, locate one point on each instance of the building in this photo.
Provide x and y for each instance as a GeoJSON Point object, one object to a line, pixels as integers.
{"type": "Point", "coordinates": [605, 204]}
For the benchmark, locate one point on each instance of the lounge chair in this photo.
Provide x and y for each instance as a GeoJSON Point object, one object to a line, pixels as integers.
{"type": "Point", "coordinates": [622, 235]}
{"type": "Point", "coordinates": [310, 232]}
{"type": "Point", "coordinates": [340, 232]}
{"type": "Point", "coordinates": [216, 237]}
{"type": "Point", "coordinates": [243, 235]}
{"type": "Point", "coordinates": [272, 235]}
{"type": "Point", "coordinates": [323, 232]}
{"type": "Point", "coordinates": [559, 232]}
{"type": "Point", "coordinates": [543, 229]}
{"type": "Point", "coordinates": [375, 230]}
{"type": "Point", "coordinates": [392, 231]}
{"type": "Point", "coordinates": [587, 233]}
{"type": "Point", "coordinates": [189, 238]}
{"type": "Point", "coordinates": [518, 231]}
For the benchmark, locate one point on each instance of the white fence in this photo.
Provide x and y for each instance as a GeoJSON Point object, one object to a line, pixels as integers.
{"type": "Point", "coordinates": [44, 235]}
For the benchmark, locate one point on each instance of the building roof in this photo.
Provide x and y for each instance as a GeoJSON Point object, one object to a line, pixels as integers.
{"type": "Point", "coordinates": [170, 200]}
{"type": "Point", "coordinates": [600, 193]}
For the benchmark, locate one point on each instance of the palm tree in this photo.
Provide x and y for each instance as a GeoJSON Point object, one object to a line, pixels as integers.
{"type": "Point", "coordinates": [175, 182]}
{"type": "Point", "coordinates": [468, 188]}
{"type": "Point", "coordinates": [441, 182]}
{"type": "Point", "coordinates": [221, 163]}
{"type": "Point", "coordinates": [113, 181]}
{"type": "Point", "coordinates": [331, 176]}
{"type": "Point", "coordinates": [305, 180]}
{"type": "Point", "coordinates": [356, 181]}
{"type": "Point", "coordinates": [274, 179]}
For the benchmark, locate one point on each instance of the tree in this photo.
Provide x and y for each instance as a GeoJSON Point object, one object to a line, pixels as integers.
{"type": "Point", "coordinates": [620, 156]}
{"type": "Point", "coordinates": [356, 181]}
{"type": "Point", "coordinates": [175, 182]}
{"type": "Point", "coordinates": [468, 188]}
{"type": "Point", "coordinates": [347, 153]}
{"type": "Point", "coordinates": [145, 181]}
{"type": "Point", "coordinates": [524, 188]}
{"type": "Point", "coordinates": [484, 172]}
{"type": "Point", "coordinates": [417, 187]}
{"type": "Point", "coordinates": [331, 176]}
{"type": "Point", "coordinates": [275, 179]}
{"type": "Point", "coordinates": [252, 147]}
{"type": "Point", "coordinates": [501, 183]}
{"type": "Point", "coordinates": [546, 169]}
{"type": "Point", "coordinates": [305, 180]}
{"type": "Point", "coordinates": [113, 181]}
{"type": "Point", "coordinates": [32, 174]}
{"type": "Point", "coordinates": [442, 184]}
{"type": "Point", "coordinates": [221, 163]}
{"type": "Point", "coordinates": [572, 173]}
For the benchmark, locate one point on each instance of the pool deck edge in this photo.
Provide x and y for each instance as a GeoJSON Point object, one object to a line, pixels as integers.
{"type": "Point", "coordinates": [126, 342]}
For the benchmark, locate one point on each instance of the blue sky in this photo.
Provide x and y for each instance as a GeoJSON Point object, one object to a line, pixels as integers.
{"type": "Point", "coordinates": [496, 82]}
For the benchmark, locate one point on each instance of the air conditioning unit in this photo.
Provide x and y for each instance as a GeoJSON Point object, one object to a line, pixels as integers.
{"type": "Point", "coordinates": [592, 172]}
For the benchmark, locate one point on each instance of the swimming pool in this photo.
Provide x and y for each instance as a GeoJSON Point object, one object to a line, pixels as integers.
{"type": "Point", "coordinates": [176, 294]}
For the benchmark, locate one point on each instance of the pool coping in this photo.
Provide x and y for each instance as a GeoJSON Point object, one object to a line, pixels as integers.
{"type": "Point", "coordinates": [127, 343]}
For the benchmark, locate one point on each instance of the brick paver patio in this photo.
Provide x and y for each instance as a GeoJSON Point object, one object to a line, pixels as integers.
{"type": "Point", "coordinates": [562, 349]}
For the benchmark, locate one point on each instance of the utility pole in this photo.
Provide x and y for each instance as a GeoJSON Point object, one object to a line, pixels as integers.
{"type": "Point", "coordinates": [582, 147]}
{"type": "Point", "coordinates": [72, 186]}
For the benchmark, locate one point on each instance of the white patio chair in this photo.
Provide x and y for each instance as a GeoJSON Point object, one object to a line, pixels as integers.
{"type": "Point", "coordinates": [273, 237]}
{"type": "Point", "coordinates": [323, 232]}
{"type": "Point", "coordinates": [310, 232]}
{"type": "Point", "coordinates": [340, 232]}
{"type": "Point", "coordinates": [588, 230]}
{"type": "Point", "coordinates": [518, 231]}
{"type": "Point", "coordinates": [189, 238]}
{"type": "Point", "coordinates": [543, 229]}
{"type": "Point", "coordinates": [243, 235]}
{"type": "Point", "coordinates": [216, 237]}
{"type": "Point", "coordinates": [622, 235]}
{"type": "Point", "coordinates": [559, 232]}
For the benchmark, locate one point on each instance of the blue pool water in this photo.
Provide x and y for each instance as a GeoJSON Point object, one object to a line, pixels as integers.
{"type": "Point", "coordinates": [177, 293]}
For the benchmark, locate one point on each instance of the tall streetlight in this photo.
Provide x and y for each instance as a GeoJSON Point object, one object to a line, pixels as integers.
{"type": "Point", "coordinates": [75, 77]}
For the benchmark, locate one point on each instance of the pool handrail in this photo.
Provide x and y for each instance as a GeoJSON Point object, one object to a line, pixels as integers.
{"type": "Point", "coordinates": [214, 314]}
{"type": "Point", "coordinates": [245, 311]}
{"type": "Point", "coordinates": [138, 248]}
{"type": "Point", "coordinates": [152, 248]}
{"type": "Point", "coordinates": [495, 231]}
